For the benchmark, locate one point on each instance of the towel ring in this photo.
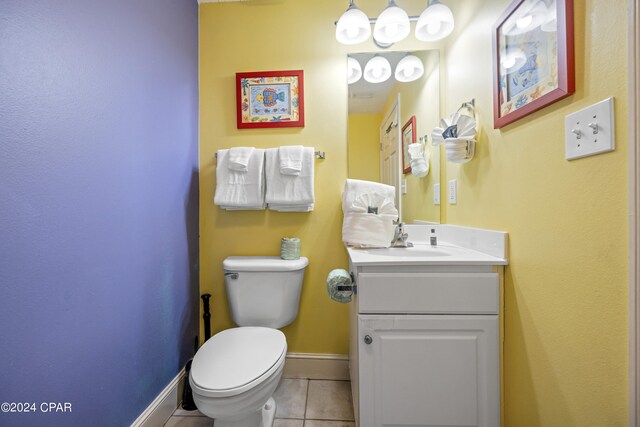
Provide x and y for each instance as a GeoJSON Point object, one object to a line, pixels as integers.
{"type": "Point", "coordinates": [471, 145]}
{"type": "Point", "coordinates": [471, 106]}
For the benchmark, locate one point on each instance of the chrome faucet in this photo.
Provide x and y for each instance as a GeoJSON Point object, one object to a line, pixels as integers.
{"type": "Point", "coordinates": [400, 237]}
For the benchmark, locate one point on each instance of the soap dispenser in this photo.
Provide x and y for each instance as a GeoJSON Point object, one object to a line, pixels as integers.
{"type": "Point", "coordinates": [433, 238]}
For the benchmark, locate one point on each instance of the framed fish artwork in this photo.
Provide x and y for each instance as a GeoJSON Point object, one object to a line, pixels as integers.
{"type": "Point", "coordinates": [533, 58]}
{"type": "Point", "coordinates": [270, 99]}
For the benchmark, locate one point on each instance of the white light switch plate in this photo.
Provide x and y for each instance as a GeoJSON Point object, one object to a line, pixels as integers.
{"type": "Point", "coordinates": [590, 130]}
{"type": "Point", "coordinates": [453, 192]}
{"type": "Point", "coordinates": [436, 194]}
{"type": "Point", "coordinates": [403, 186]}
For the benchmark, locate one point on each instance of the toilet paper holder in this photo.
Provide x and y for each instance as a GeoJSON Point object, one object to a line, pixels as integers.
{"type": "Point", "coordinates": [352, 287]}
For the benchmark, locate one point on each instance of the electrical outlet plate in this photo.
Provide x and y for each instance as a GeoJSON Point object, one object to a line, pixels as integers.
{"type": "Point", "coordinates": [453, 192]}
{"type": "Point", "coordinates": [590, 131]}
{"type": "Point", "coordinates": [436, 194]}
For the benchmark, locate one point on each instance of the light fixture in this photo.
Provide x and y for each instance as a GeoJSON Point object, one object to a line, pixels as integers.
{"type": "Point", "coordinates": [512, 60]}
{"type": "Point", "coordinates": [354, 70]}
{"type": "Point", "coordinates": [409, 68]}
{"type": "Point", "coordinates": [377, 70]}
{"type": "Point", "coordinates": [353, 26]}
{"type": "Point", "coordinates": [393, 24]}
{"type": "Point", "coordinates": [435, 23]}
{"type": "Point", "coordinates": [529, 19]}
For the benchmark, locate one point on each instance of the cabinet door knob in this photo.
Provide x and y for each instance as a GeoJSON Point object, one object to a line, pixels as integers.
{"type": "Point", "coordinates": [368, 339]}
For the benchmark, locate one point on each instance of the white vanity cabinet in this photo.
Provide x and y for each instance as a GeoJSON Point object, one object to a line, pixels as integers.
{"type": "Point", "coordinates": [424, 345]}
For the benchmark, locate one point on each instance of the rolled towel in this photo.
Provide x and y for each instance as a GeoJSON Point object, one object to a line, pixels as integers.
{"type": "Point", "coordinates": [419, 168]}
{"type": "Point", "coordinates": [290, 159]}
{"type": "Point", "coordinates": [356, 187]}
{"type": "Point", "coordinates": [420, 165]}
{"type": "Point", "coordinates": [239, 158]}
{"type": "Point", "coordinates": [367, 230]}
{"type": "Point", "coordinates": [369, 224]}
{"type": "Point", "coordinates": [339, 285]}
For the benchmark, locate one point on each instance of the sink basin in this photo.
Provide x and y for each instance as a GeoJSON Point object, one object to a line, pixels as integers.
{"type": "Point", "coordinates": [421, 251]}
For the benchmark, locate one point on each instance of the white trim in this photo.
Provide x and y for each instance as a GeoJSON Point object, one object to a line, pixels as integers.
{"type": "Point", "coordinates": [317, 366]}
{"type": "Point", "coordinates": [159, 411]}
{"type": "Point", "coordinates": [634, 212]}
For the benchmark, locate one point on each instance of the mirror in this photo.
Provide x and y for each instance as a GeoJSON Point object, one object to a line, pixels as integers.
{"type": "Point", "coordinates": [373, 128]}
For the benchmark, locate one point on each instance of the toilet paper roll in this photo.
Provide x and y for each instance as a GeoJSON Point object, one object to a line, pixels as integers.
{"type": "Point", "coordinates": [290, 248]}
{"type": "Point", "coordinates": [342, 278]}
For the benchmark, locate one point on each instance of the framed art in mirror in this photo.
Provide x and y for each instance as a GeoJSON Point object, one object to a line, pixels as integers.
{"type": "Point", "coordinates": [270, 99]}
{"type": "Point", "coordinates": [408, 137]}
{"type": "Point", "coordinates": [533, 58]}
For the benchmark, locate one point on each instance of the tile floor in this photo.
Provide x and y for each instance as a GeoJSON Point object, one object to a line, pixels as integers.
{"type": "Point", "coordinates": [299, 403]}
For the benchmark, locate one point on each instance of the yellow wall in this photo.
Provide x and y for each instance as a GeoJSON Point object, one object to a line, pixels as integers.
{"type": "Point", "coordinates": [423, 103]}
{"type": "Point", "coordinates": [565, 298]}
{"type": "Point", "coordinates": [280, 35]}
{"type": "Point", "coordinates": [233, 38]}
{"type": "Point", "coordinates": [565, 350]}
{"type": "Point", "coordinates": [364, 146]}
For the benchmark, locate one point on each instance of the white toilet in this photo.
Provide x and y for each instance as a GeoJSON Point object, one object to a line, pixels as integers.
{"type": "Point", "coordinates": [234, 374]}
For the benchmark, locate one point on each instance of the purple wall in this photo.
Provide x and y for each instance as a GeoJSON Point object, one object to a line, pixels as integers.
{"type": "Point", "coordinates": [98, 204]}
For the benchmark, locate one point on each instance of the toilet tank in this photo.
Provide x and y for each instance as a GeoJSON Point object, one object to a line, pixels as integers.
{"type": "Point", "coordinates": [263, 291]}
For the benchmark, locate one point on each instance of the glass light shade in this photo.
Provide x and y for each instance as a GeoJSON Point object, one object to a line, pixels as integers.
{"type": "Point", "coordinates": [392, 25]}
{"type": "Point", "coordinates": [435, 23]}
{"type": "Point", "coordinates": [409, 68]}
{"type": "Point", "coordinates": [377, 70]}
{"type": "Point", "coordinates": [526, 20]}
{"type": "Point", "coordinates": [354, 70]}
{"type": "Point", "coordinates": [513, 60]}
{"type": "Point", "coordinates": [353, 27]}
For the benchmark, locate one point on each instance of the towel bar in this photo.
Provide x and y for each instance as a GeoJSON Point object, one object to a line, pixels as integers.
{"type": "Point", "coordinates": [319, 155]}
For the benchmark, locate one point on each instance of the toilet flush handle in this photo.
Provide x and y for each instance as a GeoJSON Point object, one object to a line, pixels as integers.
{"type": "Point", "coordinates": [233, 276]}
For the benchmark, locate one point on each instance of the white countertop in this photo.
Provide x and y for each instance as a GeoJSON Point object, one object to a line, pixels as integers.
{"type": "Point", "coordinates": [423, 255]}
{"type": "Point", "coordinates": [454, 248]}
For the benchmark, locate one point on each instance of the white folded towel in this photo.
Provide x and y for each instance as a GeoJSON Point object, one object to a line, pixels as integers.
{"type": "Point", "coordinates": [291, 208]}
{"type": "Point", "coordinates": [369, 211]}
{"type": "Point", "coordinates": [290, 159]}
{"type": "Point", "coordinates": [363, 230]}
{"type": "Point", "coordinates": [240, 190]}
{"type": "Point", "coordinates": [291, 192]}
{"type": "Point", "coordinates": [355, 187]}
{"type": "Point", "coordinates": [239, 158]}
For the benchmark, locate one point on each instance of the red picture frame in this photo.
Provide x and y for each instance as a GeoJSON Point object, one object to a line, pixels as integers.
{"type": "Point", "coordinates": [270, 99]}
{"type": "Point", "coordinates": [533, 67]}
{"type": "Point", "coordinates": [408, 137]}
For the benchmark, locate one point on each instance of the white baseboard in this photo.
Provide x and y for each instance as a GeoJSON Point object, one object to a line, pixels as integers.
{"type": "Point", "coordinates": [317, 366]}
{"type": "Point", "coordinates": [159, 411]}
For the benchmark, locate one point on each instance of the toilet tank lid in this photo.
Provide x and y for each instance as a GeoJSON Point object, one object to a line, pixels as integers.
{"type": "Point", "coordinates": [263, 263]}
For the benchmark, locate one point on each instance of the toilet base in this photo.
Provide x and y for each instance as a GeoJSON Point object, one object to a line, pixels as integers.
{"type": "Point", "coordinates": [262, 418]}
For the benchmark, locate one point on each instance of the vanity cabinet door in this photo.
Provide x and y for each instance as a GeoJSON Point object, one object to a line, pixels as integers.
{"type": "Point", "coordinates": [429, 370]}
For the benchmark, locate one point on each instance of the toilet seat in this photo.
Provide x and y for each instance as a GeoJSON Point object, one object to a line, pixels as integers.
{"type": "Point", "coordinates": [236, 360]}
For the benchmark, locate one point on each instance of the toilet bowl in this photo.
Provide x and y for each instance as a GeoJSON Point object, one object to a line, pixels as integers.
{"type": "Point", "coordinates": [234, 374]}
